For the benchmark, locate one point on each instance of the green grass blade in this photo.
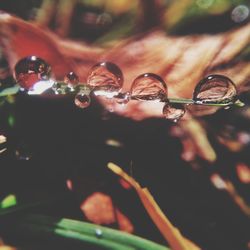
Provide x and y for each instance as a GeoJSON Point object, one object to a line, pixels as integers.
{"type": "Point", "coordinates": [90, 233]}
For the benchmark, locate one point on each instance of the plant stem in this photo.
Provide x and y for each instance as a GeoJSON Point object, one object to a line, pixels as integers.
{"type": "Point", "coordinates": [238, 103]}
{"type": "Point", "coordinates": [181, 100]}
{"type": "Point", "coordinates": [106, 238]}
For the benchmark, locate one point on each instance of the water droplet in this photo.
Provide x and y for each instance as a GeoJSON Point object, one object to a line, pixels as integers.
{"type": "Point", "coordinates": [215, 89]}
{"type": "Point", "coordinates": [71, 79]}
{"type": "Point", "coordinates": [240, 13]}
{"type": "Point", "coordinates": [82, 100]}
{"type": "Point", "coordinates": [123, 98]}
{"type": "Point", "coordinates": [31, 70]}
{"type": "Point", "coordinates": [106, 78]}
{"type": "Point", "coordinates": [149, 86]}
{"type": "Point", "coordinates": [173, 111]}
{"type": "Point", "coordinates": [98, 232]}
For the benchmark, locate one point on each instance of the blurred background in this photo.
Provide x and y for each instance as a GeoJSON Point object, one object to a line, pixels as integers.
{"type": "Point", "coordinates": [101, 21]}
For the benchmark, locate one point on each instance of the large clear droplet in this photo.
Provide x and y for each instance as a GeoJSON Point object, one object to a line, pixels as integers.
{"type": "Point", "coordinates": [82, 100]}
{"type": "Point", "coordinates": [106, 79]}
{"type": "Point", "coordinates": [149, 86]}
{"type": "Point", "coordinates": [173, 111]}
{"type": "Point", "coordinates": [215, 89]}
{"type": "Point", "coordinates": [31, 70]}
{"type": "Point", "coordinates": [71, 79]}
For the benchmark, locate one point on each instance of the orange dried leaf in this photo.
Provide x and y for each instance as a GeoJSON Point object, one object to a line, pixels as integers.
{"type": "Point", "coordinates": [169, 232]}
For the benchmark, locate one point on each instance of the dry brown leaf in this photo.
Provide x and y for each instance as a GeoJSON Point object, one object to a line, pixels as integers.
{"type": "Point", "coordinates": [169, 232]}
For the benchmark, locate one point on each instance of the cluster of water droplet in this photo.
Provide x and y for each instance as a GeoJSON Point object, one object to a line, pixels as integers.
{"type": "Point", "coordinates": [106, 79]}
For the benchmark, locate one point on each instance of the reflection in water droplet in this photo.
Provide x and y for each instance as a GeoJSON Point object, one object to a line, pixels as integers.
{"type": "Point", "coordinates": [40, 87]}
{"type": "Point", "coordinates": [71, 79]}
{"type": "Point", "coordinates": [173, 111]}
{"type": "Point", "coordinates": [31, 70]}
{"type": "Point", "coordinates": [123, 98]}
{"type": "Point", "coordinates": [82, 100]}
{"type": "Point", "coordinates": [215, 89]}
{"type": "Point", "coordinates": [149, 86]}
{"type": "Point", "coordinates": [59, 88]}
{"type": "Point", "coordinates": [106, 78]}
{"type": "Point", "coordinates": [69, 184]}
